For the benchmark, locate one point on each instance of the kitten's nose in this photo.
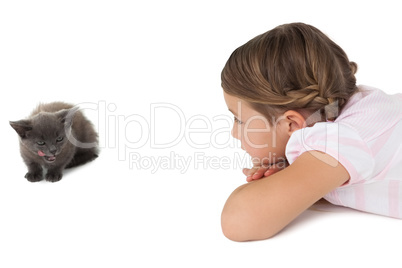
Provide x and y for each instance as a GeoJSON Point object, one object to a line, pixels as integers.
{"type": "Point", "coordinates": [53, 150]}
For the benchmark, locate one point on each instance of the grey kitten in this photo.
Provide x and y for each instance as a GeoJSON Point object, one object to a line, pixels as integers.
{"type": "Point", "coordinates": [55, 136]}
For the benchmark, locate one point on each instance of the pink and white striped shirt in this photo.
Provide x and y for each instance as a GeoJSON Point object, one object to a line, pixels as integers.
{"type": "Point", "coordinates": [366, 139]}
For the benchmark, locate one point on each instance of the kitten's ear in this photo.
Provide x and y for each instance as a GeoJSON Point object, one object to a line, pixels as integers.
{"type": "Point", "coordinates": [21, 127]}
{"type": "Point", "coordinates": [66, 116]}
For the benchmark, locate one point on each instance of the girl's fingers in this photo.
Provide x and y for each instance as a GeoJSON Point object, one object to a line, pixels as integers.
{"type": "Point", "coordinates": [250, 171]}
{"type": "Point", "coordinates": [259, 173]}
{"type": "Point", "coordinates": [246, 171]}
{"type": "Point", "coordinates": [249, 178]}
{"type": "Point", "coordinates": [275, 168]}
{"type": "Point", "coordinates": [271, 171]}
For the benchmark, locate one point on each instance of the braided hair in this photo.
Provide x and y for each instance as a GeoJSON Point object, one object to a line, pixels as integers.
{"type": "Point", "coordinates": [291, 67]}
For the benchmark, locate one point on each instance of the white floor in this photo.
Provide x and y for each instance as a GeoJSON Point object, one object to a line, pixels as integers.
{"type": "Point", "coordinates": [148, 76]}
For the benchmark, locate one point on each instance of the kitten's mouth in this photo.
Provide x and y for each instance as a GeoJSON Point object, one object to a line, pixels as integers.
{"type": "Point", "coordinates": [46, 157]}
{"type": "Point", "coordinates": [50, 158]}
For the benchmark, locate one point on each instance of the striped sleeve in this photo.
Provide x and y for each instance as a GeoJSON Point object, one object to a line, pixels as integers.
{"type": "Point", "coordinates": [338, 140]}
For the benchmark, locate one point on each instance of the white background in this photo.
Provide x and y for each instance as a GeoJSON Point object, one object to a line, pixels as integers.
{"type": "Point", "coordinates": [124, 56]}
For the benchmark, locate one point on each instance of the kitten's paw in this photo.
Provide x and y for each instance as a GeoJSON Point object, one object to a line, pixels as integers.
{"type": "Point", "coordinates": [34, 177]}
{"type": "Point", "coordinates": [53, 176]}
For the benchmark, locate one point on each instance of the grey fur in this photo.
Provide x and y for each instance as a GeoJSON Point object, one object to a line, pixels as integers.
{"type": "Point", "coordinates": [53, 124]}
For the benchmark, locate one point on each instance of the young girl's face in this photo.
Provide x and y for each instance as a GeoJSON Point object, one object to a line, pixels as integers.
{"type": "Point", "coordinates": [265, 143]}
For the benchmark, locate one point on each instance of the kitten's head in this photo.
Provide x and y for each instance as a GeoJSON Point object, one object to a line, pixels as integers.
{"type": "Point", "coordinates": [46, 134]}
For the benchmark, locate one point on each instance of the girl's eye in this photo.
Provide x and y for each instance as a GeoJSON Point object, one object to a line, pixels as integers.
{"type": "Point", "coordinates": [40, 143]}
{"type": "Point", "coordinates": [59, 139]}
{"type": "Point", "coordinates": [237, 121]}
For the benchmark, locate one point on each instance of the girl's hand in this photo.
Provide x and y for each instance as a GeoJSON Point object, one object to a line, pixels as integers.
{"type": "Point", "coordinates": [258, 172]}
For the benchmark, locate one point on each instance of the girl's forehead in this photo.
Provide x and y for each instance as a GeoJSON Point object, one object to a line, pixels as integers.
{"type": "Point", "coordinates": [232, 101]}
{"type": "Point", "coordinates": [235, 104]}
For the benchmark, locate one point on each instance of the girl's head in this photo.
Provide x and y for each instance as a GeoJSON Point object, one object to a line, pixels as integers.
{"type": "Point", "coordinates": [293, 67]}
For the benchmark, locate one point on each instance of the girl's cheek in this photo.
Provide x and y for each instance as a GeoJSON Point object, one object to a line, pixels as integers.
{"type": "Point", "coordinates": [256, 141]}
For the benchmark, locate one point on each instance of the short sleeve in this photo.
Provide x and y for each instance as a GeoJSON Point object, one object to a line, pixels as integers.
{"type": "Point", "coordinates": [338, 140]}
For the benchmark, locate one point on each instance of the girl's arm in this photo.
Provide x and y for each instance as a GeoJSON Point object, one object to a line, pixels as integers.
{"type": "Point", "coordinates": [261, 208]}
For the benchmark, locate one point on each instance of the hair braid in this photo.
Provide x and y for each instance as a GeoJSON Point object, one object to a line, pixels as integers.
{"type": "Point", "coordinates": [292, 67]}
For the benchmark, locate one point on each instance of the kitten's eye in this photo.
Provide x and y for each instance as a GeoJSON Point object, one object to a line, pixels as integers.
{"type": "Point", "coordinates": [40, 143]}
{"type": "Point", "coordinates": [59, 139]}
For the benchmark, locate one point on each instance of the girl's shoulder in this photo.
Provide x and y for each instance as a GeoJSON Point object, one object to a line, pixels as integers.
{"type": "Point", "coordinates": [342, 141]}
{"type": "Point", "coordinates": [368, 100]}
{"type": "Point", "coordinates": [363, 137]}
{"type": "Point", "coordinates": [371, 112]}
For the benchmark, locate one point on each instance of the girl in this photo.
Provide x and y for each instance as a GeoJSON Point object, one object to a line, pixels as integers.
{"type": "Point", "coordinates": [294, 97]}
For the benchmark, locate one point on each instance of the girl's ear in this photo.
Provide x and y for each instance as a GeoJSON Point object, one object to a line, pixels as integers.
{"type": "Point", "coordinates": [294, 121]}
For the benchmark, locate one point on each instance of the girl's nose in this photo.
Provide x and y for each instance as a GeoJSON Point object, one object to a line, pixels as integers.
{"type": "Point", "coordinates": [234, 133]}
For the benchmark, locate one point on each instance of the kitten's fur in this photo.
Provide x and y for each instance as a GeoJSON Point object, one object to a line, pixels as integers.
{"type": "Point", "coordinates": [46, 141]}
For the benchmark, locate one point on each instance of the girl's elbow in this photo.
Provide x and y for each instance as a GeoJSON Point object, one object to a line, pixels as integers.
{"type": "Point", "coordinates": [230, 229]}
{"type": "Point", "coordinates": [238, 228]}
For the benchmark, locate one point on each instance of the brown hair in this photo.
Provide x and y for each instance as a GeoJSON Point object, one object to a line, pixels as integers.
{"type": "Point", "coordinates": [291, 67]}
